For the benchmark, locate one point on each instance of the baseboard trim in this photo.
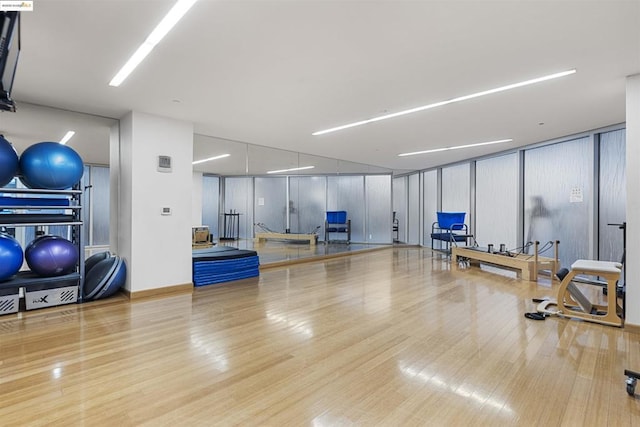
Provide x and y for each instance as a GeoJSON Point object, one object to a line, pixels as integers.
{"type": "Point", "coordinates": [634, 329]}
{"type": "Point", "coordinates": [185, 288]}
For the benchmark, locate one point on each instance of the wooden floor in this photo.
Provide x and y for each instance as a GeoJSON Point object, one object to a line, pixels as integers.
{"type": "Point", "coordinates": [391, 337]}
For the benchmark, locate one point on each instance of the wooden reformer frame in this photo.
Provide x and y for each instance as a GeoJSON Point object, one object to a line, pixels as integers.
{"type": "Point", "coordinates": [573, 303]}
{"type": "Point", "coordinates": [527, 266]}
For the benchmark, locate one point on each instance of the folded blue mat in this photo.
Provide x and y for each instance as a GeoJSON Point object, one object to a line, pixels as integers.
{"type": "Point", "coordinates": [224, 265]}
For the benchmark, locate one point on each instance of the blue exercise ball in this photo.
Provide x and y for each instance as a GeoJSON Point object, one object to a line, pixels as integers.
{"type": "Point", "coordinates": [10, 256]}
{"type": "Point", "coordinates": [50, 165]}
{"type": "Point", "coordinates": [8, 162]}
{"type": "Point", "coordinates": [51, 256]}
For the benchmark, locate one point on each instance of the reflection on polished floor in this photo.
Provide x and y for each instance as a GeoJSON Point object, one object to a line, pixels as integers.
{"type": "Point", "coordinates": [278, 252]}
{"type": "Point", "coordinates": [393, 337]}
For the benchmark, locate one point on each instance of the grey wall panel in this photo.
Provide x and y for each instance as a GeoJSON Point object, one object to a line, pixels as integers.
{"type": "Point", "coordinates": [238, 197]}
{"type": "Point", "coordinates": [455, 189]}
{"type": "Point", "coordinates": [100, 194]}
{"type": "Point", "coordinates": [497, 200]}
{"type": "Point", "coordinates": [211, 203]}
{"type": "Point", "coordinates": [557, 197]}
{"type": "Point", "coordinates": [413, 229]}
{"type": "Point", "coordinates": [378, 196]}
{"type": "Point", "coordinates": [309, 195]}
{"type": "Point", "coordinates": [271, 203]}
{"type": "Point", "coordinates": [430, 203]}
{"type": "Point", "coordinates": [346, 193]}
{"type": "Point", "coordinates": [612, 194]}
{"type": "Point", "coordinates": [86, 205]}
{"type": "Point", "coordinates": [400, 202]}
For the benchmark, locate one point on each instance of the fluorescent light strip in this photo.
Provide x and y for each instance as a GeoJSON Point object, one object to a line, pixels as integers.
{"type": "Point", "coordinates": [450, 101]}
{"type": "Point", "coordinates": [168, 22]}
{"type": "Point", "coordinates": [292, 169]}
{"type": "Point", "coordinates": [67, 136]}
{"type": "Point", "coordinates": [435, 150]}
{"type": "Point", "coordinates": [221, 156]}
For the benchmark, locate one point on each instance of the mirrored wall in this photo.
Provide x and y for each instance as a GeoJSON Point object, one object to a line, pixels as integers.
{"type": "Point", "coordinates": [31, 124]}
{"type": "Point", "coordinates": [249, 188]}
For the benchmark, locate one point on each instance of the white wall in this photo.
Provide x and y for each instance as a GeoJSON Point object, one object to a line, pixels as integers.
{"type": "Point", "coordinates": [633, 200]}
{"type": "Point", "coordinates": [156, 247]}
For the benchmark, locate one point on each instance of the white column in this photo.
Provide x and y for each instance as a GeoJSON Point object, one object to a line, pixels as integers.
{"type": "Point", "coordinates": [633, 200]}
{"type": "Point", "coordinates": [155, 246]}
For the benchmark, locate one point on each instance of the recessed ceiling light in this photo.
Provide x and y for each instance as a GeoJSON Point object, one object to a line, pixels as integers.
{"type": "Point", "coordinates": [435, 150]}
{"type": "Point", "coordinates": [221, 156]}
{"type": "Point", "coordinates": [67, 136]}
{"type": "Point", "coordinates": [175, 14]}
{"type": "Point", "coordinates": [449, 101]}
{"type": "Point", "coordinates": [292, 169]}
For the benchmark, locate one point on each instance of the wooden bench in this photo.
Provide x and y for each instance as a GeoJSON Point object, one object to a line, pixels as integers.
{"type": "Point", "coordinates": [311, 238]}
{"type": "Point", "coordinates": [527, 266]}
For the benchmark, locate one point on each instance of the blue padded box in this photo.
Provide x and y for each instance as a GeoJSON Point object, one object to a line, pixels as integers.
{"type": "Point", "coordinates": [337, 217]}
{"type": "Point", "coordinates": [448, 219]}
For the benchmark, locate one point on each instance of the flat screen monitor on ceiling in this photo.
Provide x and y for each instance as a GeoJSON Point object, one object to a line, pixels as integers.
{"type": "Point", "coordinates": [9, 52]}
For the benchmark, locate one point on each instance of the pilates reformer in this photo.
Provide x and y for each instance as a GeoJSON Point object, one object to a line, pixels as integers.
{"type": "Point", "coordinates": [527, 266]}
{"type": "Point", "coordinates": [573, 303]}
{"type": "Point", "coordinates": [267, 233]}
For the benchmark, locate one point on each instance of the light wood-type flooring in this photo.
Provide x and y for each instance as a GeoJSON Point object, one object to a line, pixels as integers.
{"type": "Point", "coordinates": [394, 337]}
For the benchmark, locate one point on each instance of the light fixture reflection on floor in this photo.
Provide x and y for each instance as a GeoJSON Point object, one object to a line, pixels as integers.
{"type": "Point", "coordinates": [461, 390]}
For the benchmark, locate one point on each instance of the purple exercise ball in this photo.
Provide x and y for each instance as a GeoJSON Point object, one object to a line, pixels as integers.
{"type": "Point", "coordinates": [51, 256]}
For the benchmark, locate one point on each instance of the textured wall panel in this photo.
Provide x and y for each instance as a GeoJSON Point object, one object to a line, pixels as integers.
{"type": "Point", "coordinates": [430, 203]}
{"type": "Point", "coordinates": [497, 201]}
{"type": "Point", "coordinates": [455, 189]}
{"type": "Point", "coordinates": [346, 193]}
{"type": "Point", "coordinates": [309, 195]}
{"type": "Point", "coordinates": [211, 203]}
{"type": "Point", "coordinates": [271, 203]}
{"type": "Point", "coordinates": [613, 194]}
{"type": "Point", "coordinates": [100, 194]}
{"type": "Point", "coordinates": [557, 191]}
{"type": "Point", "coordinates": [378, 194]}
{"type": "Point", "coordinates": [238, 196]}
{"type": "Point", "coordinates": [400, 202]}
{"type": "Point", "coordinates": [413, 229]}
{"type": "Point", "coordinates": [86, 205]}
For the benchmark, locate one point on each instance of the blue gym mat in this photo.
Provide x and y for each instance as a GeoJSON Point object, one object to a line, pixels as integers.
{"type": "Point", "coordinates": [223, 264]}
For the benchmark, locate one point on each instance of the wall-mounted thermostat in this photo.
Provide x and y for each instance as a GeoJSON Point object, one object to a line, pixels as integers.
{"type": "Point", "coordinates": [166, 211]}
{"type": "Point", "coordinates": [164, 164]}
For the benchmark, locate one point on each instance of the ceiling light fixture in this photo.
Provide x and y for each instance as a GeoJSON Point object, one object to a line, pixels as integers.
{"type": "Point", "coordinates": [435, 150]}
{"type": "Point", "coordinates": [449, 101]}
{"type": "Point", "coordinates": [67, 136]}
{"type": "Point", "coordinates": [221, 156]}
{"type": "Point", "coordinates": [292, 169]}
{"type": "Point", "coordinates": [175, 14]}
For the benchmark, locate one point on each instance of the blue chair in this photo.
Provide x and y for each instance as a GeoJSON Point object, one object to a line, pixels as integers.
{"type": "Point", "coordinates": [450, 229]}
{"type": "Point", "coordinates": [337, 223]}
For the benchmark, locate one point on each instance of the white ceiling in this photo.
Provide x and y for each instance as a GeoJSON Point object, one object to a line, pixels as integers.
{"type": "Point", "coordinates": [270, 73]}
